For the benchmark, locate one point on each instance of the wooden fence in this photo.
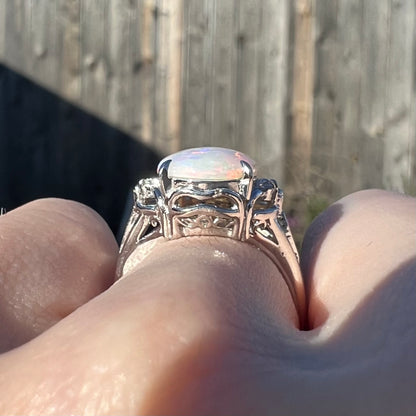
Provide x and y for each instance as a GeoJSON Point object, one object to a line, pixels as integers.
{"type": "Point", "coordinates": [321, 93]}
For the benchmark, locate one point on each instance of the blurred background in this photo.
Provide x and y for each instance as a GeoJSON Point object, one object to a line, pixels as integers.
{"type": "Point", "coordinates": [321, 93]}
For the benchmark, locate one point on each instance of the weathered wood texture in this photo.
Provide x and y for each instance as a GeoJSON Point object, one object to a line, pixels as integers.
{"type": "Point", "coordinates": [364, 96]}
{"type": "Point", "coordinates": [235, 86]}
{"type": "Point", "coordinates": [321, 92]}
{"type": "Point", "coordinates": [119, 59]}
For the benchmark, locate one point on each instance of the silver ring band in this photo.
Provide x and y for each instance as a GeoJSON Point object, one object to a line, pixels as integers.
{"type": "Point", "coordinates": [214, 192]}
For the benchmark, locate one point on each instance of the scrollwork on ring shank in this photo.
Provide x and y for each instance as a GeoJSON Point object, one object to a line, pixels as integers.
{"type": "Point", "coordinates": [249, 209]}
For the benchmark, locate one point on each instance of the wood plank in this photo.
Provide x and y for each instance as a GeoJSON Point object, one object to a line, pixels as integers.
{"type": "Point", "coordinates": [399, 123]}
{"type": "Point", "coordinates": [95, 71]}
{"type": "Point", "coordinates": [155, 39]}
{"type": "Point", "coordinates": [324, 128]}
{"type": "Point", "coordinates": [44, 62]}
{"type": "Point", "coordinates": [375, 47]}
{"type": "Point", "coordinates": [221, 94]}
{"type": "Point", "coordinates": [209, 75]}
{"type": "Point", "coordinates": [159, 74]}
{"type": "Point", "coordinates": [348, 148]}
{"type": "Point", "coordinates": [68, 41]}
{"type": "Point", "coordinates": [3, 6]}
{"type": "Point", "coordinates": [373, 105]}
{"type": "Point", "coordinates": [247, 74]}
{"type": "Point", "coordinates": [119, 59]}
{"type": "Point", "coordinates": [411, 184]}
{"type": "Point", "coordinates": [274, 88]}
{"type": "Point", "coordinates": [230, 97]}
{"type": "Point", "coordinates": [167, 44]}
{"type": "Point", "coordinates": [96, 76]}
{"type": "Point", "coordinates": [300, 145]}
{"type": "Point", "coordinates": [17, 17]}
{"type": "Point", "coordinates": [348, 142]}
{"type": "Point", "coordinates": [143, 35]}
{"type": "Point", "coordinates": [173, 10]}
{"type": "Point", "coordinates": [197, 32]}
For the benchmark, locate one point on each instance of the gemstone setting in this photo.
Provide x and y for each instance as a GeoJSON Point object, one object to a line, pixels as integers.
{"type": "Point", "coordinates": [210, 164]}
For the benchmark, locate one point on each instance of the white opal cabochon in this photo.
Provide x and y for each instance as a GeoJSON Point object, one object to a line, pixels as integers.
{"type": "Point", "coordinates": [207, 164]}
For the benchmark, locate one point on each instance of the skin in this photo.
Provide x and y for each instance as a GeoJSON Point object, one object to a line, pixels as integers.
{"type": "Point", "coordinates": [206, 325]}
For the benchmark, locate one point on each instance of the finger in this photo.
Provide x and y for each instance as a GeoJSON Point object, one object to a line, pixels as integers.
{"type": "Point", "coordinates": [166, 339]}
{"type": "Point", "coordinates": [360, 264]}
{"type": "Point", "coordinates": [55, 255]}
{"type": "Point", "coordinates": [353, 247]}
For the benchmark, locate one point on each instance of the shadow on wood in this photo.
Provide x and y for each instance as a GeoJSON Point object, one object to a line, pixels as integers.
{"type": "Point", "coordinates": [49, 147]}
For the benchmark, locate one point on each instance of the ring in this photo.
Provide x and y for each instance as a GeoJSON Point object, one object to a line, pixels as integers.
{"type": "Point", "coordinates": [212, 191]}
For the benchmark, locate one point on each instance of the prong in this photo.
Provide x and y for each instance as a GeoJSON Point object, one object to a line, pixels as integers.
{"type": "Point", "coordinates": [162, 171]}
{"type": "Point", "coordinates": [165, 222]}
{"type": "Point", "coordinates": [246, 182]}
{"type": "Point", "coordinates": [274, 182]}
{"type": "Point", "coordinates": [279, 199]}
{"type": "Point", "coordinates": [247, 169]}
{"type": "Point", "coordinates": [136, 193]}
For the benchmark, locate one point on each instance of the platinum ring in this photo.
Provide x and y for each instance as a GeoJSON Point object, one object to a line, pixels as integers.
{"type": "Point", "coordinates": [212, 191]}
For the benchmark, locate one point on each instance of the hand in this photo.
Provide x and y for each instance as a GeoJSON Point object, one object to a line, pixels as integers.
{"type": "Point", "coordinates": [206, 325]}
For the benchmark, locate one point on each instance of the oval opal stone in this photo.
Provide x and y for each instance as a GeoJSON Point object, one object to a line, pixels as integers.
{"type": "Point", "coordinates": [207, 164]}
